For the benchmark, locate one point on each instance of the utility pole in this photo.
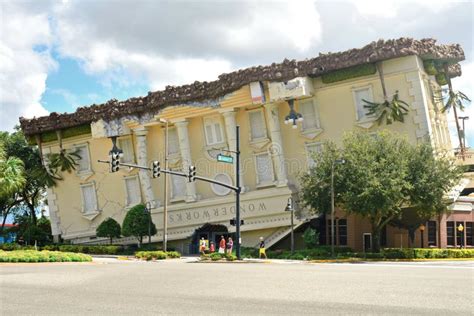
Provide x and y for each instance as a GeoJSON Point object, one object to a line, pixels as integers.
{"type": "Point", "coordinates": [165, 191]}
{"type": "Point", "coordinates": [290, 208]}
{"type": "Point", "coordinates": [237, 192]}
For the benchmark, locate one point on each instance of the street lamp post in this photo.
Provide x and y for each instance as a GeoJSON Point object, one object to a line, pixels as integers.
{"type": "Point", "coordinates": [290, 208]}
{"type": "Point", "coordinates": [293, 116]}
{"type": "Point", "coordinates": [148, 208]}
{"type": "Point", "coordinates": [463, 118]}
{"type": "Point", "coordinates": [337, 161]}
{"type": "Point", "coordinates": [422, 230]}
{"type": "Point", "coordinates": [461, 232]}
{"type": "Point", "coordinates": [165, 190]}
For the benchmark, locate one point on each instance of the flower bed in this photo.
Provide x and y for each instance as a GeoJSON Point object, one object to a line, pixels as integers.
{"type": "Point", "coordinates": [42, 256]}
{"type": "Point", "coordinates": [157, 255]}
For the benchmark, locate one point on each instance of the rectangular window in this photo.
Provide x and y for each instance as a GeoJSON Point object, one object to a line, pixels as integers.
{"type": "Point", "coordinates": [307, 108]}
{"type": "Point", "coordinates": [84, 163]}
{"type": "Point", "coordinates": [178, 187]}
{"type": "Point", "coordinates": [89, 198]}
{"type": "Point", "coordinates": [450, 233]}
{"type": "Point", "coordinates": [173, 142]}
{"type": "Point", "coordinates": [126, 145]}
{"type": "Point", "coordinates": [264, 168]}
{"type": "Point", "coordinates": [132, 187]}
{"type": "Point", "coordinates": [257, 125]}
{"type": "Point", "coordinates": [312, 150]}
{"type": "Point", "coordinates": [342, 232]}
{"type": "Point", "coordinates": [432, 233]}
{"type": "Point", "coordinates": [213, 131]}
{"type": "Point", "coordinates": [359, 96]}
{"type": "Point", "coordinates": [469, 233]}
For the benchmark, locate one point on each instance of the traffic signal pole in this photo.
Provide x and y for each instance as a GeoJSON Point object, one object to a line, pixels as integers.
{"type": "Point", "coordinates": [237, 189]}
{"type": "Point", "coordinates": [237, 192]}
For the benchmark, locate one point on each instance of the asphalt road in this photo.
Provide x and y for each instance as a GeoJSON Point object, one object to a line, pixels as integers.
{"type": "Point", "coordinates": [112, 287]}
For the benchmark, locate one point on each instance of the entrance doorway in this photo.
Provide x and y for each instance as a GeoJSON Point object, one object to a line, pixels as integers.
{"type": "Point", "coordinates": [211, 233]}
{"type": "Point", "coordinates": [367, 239]}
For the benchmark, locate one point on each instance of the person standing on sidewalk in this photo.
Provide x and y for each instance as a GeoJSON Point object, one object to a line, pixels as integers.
{"type": "Point", "coordinates": [261, 250]}
{"type": "Point", "coordinates": [222, 245]}
{"type": "Point", "coordinates": [230, 245]}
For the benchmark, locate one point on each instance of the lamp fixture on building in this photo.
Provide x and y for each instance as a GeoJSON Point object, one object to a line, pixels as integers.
{"type": "Point", "coordinates": [293, 116]}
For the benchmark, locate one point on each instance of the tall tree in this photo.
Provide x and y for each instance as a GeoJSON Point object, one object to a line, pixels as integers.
{"type": "Point", "coordinates": [109, 228]}
{"type": "Point", "coordinates": [137, 223]}
{"type": "Point", "coordinates": [391, 110]}
{"type": "Point", "coordinates": [382, 176]}
{"type": "Point", "coordinates": [12, 177]}
{"type": "Point", "coordinates": [455, 101]}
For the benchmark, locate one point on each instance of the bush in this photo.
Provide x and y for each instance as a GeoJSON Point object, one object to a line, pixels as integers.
{"type": "Point", "coordinates": [231, 257]}
{"type": "Point", "coordinates": [349, 73]}
{"type": "Point", "coordinates": [216, 256]}
{"type": "Point", "coordinates": [109, 228]}
{"type": "Point", "coordinates": [430, 67]}
{"type": "Point", "coordinates": [311, 237]}
{"type": "Point", "coordinates": [426, 253]}
{"type": "Point", "coordinates": [156, 255]}
{"type": "Point", "coordinates": [42, 256]}
{"type": "Point", "coordinates": [136, 223]}
{"type": "Point", "coordinates": [93, 249]}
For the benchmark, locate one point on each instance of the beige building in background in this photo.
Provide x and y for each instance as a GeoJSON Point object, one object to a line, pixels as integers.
{"type": "Point", "coordinates": [202, 119]}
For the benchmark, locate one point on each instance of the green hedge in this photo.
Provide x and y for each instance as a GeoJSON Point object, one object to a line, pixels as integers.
{"type": "Point", "coordinates": [215, 256]}
{"type": "Point", "coordinates": [426, 253]}
{"type": "Point", "coordinates": [156, 255]}
{"type": "Point", "coordinates": [42, 256]}
{"type": "Point", "coordinates": [13, 246]}
{"type": "Point", "coordinates": [441, 79]}
{"type": "Point", "coordinates": [96, 249]}
{"type": "Point", "coordinates": [69, 132]}
{"type": "Point", "coordinates": [430, 67]}
{"type": "Point", "coordinates": [349, 73]}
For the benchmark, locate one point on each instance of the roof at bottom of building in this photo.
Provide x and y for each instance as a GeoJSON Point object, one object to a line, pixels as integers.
{"type": "Point", "coordinates": [226, 83]}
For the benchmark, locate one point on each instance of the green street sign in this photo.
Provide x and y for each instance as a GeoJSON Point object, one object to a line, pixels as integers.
{"type": "Point", "coordinates": [224, 158]}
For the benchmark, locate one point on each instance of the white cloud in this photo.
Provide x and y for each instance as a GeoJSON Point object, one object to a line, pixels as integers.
{"type": "Point", "coordinates": [177, 43]}
{"type": "Point", "coordinates": [23, 71]}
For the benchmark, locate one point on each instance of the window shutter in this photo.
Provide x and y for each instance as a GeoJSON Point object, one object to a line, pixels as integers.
{"type": "Point", "coordinates": [310, 119]}
{"type": "Point", "coordinates": [264, 168]}
{"type": "Point", "coordinates": [209, 135]}
{"type": "Point", "coordinates": [257, 124]}
{"type": "Point", "coordinates": [89, 198]}
{"type": "Point", "coordinates": [312, 149]}
{"type": "Point", "coordinates": [217, 127]}
{"type": "Point", "coordinates": [133, 191]}
{"type": "Point", "coordinates": [84, 162]}
{"type": "Point", "coordinates": [361, 95]}
{"type": "Point", "coordinates": [127, 147]}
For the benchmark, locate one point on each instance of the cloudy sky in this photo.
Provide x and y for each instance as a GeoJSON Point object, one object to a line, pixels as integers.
{"type": "Point", "coordinates": [58, 55]}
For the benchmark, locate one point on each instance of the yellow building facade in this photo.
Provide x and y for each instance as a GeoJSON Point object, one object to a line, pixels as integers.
{"type": "Point", "coordinates": [273, 155]}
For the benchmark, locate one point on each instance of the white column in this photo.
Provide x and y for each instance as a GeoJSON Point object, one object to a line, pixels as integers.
{"type": "Point", "coordinates": [142, 157]}
{"type": "Point", "coordinates": [230, 124]}
{"type": "Point", "coordinates": [52, 203]}
{"type": "Point", "coordinates": [185, 150]}
{"type": "Point", "coordinates": [276, 148]}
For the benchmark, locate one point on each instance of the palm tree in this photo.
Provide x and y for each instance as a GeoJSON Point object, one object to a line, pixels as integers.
{"type": "Point", "coordinates": [455, 100]}
{"type": "Point", "coordinates": [11, 174]}
{"type": "Point", "coordinates": [392, 110]}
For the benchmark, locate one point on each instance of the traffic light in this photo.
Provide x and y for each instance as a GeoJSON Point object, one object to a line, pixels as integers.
{"type": "Point", "coordinates": [156, 169]}
{"type": "Point", "coordinates": [192, 174]}
{"type": "Point", "coordinates": [233, 221]}
{"type": "Point", "coordinates": [114, 161]}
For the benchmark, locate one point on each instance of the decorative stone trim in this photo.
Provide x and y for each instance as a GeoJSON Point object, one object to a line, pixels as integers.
{"type": "Point", "coordinates": [204, 93]}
